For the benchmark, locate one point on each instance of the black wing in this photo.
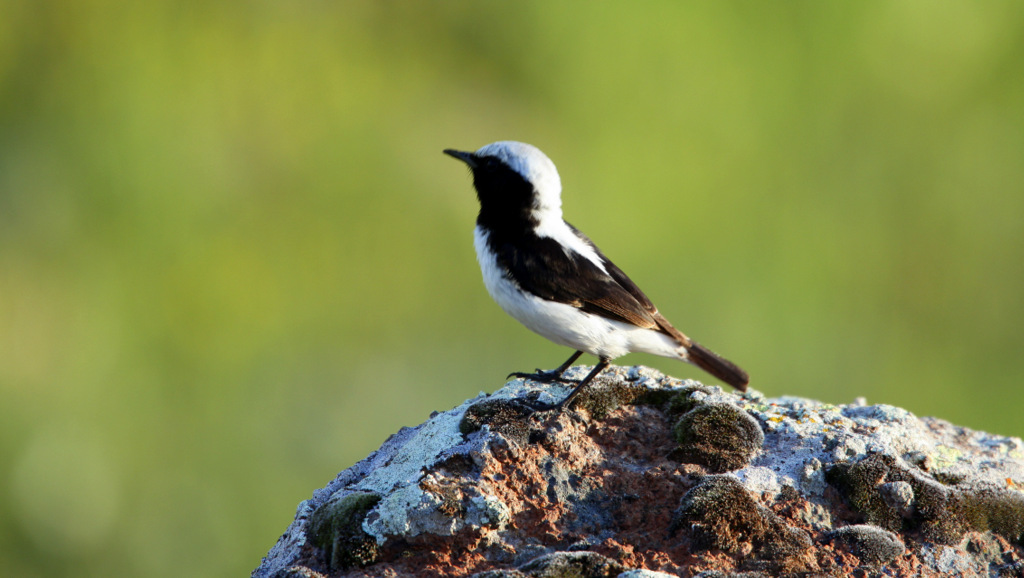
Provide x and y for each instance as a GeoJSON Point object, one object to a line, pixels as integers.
{"type": "Point", "coordinates": [541, 266]}
{"type": "Point", "coordinates": [697, 354]}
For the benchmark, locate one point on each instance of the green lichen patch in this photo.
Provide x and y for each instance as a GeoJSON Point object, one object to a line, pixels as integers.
{"type": "Point", "coordinates": [873, 545]}
{"type": "Point", "coordinates": [943, 513]}
{"type": "Point", "coordinates": [572, 565]}
{"type": "Point", "coordinates": [720, 436]}
{"type": "Point", "coordinates": [337, 529]}
{"type": "Point", "coordinates": [721, 514]}
{"type": "Point", "coordinates": [507, 417]}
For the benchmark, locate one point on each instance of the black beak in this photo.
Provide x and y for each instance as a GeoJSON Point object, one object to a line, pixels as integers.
{"type": "Point", "coordinates": [468, 158]}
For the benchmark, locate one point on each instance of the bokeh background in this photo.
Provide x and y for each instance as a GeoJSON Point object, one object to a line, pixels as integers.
{"type": "Point", "coordinates": [233, 258]}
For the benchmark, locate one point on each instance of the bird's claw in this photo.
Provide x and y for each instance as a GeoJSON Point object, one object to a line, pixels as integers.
{"type": "Point", "coordinates": [538, 373]}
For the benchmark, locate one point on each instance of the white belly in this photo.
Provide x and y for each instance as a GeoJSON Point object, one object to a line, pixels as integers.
{"type": "Point", "coordinates": [565, 324]}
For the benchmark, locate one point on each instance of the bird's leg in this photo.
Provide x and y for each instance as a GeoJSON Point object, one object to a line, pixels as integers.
{"type": "Point", "coordinates": [567, 402]}
{"type": "Point", "coordinates": [550, 375]}
{"type": "Point", "coordinates": [556, 373]}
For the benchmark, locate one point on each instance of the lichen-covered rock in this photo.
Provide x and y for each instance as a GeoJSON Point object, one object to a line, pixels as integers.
{"type": "Point", "coordinates": [505, 416]}
{"type": "Point", "coordinates": [336, 528]}
{"type": "Point", "coordinates": [720, 574]}
{"type": "Point", "coordinates": [720, 436]}
{"type": "Point", "coordinates": [683, 400]}
{"type": "Point", "coordinates": [569, 564]}
{"type": "Point", "coordinates": [873, 545]}
{"type": "Point", "coordinates": [721, 514]}
{"type": "Point", "coordinates": [644, 573]}
{"type": "Point", "coordinates": [652, 476]}
{"type": "Point", "coordinates": [943, 512]}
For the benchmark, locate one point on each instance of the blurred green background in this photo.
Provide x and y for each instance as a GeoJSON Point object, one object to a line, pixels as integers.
{"type": "Point", "coordinates": [233, 258]}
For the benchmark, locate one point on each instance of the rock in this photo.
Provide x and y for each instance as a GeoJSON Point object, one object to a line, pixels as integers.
{"type": "Point", "coordinates": [943, 511]}
{"type": "Point", "coordinates": [720, 436]}
{"type": "Point", "coordinates": [650, 476]}
{"type": "Point", "coordinates": [721, 514]}
{"type": "Point", "coordinates": [561, 564]}
{"type": "Point", "coordinates": [899, 496]}
{"type": "Point", "coordinates": [873, 545]}
{"type": "Point", "coordinates": [337, 529]}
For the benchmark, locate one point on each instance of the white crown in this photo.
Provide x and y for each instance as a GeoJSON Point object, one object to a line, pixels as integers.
{"type": "Point", "coordinates": [534, 166]}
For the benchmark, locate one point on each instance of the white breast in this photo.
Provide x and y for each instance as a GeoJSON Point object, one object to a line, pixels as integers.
{"type": "Point", "coordinates": [565, 324]}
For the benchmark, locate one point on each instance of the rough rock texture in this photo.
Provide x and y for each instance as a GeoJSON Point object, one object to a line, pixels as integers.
{"type": "Point", "coordinates": [652, 476]}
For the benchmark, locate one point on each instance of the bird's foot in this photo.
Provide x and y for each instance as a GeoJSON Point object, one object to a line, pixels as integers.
{"type": "Point", "coordinates": [540, 407]}
{"type": "Point", "coordinates": [542, 411]}
{"type": "Point", "coordinates": [544, 376]}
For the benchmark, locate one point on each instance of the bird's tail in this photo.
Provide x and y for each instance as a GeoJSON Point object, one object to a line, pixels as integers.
{"type": "Point", "coordinates": [717, 366]}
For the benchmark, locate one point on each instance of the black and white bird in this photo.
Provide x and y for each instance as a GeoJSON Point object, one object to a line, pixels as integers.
{"type": "Point", "coordinates": [550, 277]}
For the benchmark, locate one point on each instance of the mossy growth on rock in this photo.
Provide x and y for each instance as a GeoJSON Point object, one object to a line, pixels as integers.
{"type": "Point", "coordinates": [337, 529]}
{"type": "Point", "coordinates": [298, 572]}
{"type": "Point", "coordinates": [561, 565]}
{"type": "Point", "coordinates": [506, 573]}
{"type": "Point", "coordinates": [599, 400]}
{"type": "Point", "coordinates": [510, 417]}
{"type": "Point", "coordinates": [873, 545]}
{"type": "Point", "coordinates": [572, 565]}
{"type": "Point", "coordinates": [720, 436]}
{"type": "Point", "coordinates": [683, 400]}
{"type": "Point", "coordinates": [721, 514]}
{"type": "Point", "coordinates": [720, 574]}
{"type": "Point", "coordinates": [507, 417]}
{"type": "Point", "coordinates": [943, 513]}
{"type": "Point", "coordinates": [674, 402]}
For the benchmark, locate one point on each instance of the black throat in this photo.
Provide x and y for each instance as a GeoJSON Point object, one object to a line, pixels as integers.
{"type": "Point", "coordinates": [506, 200]}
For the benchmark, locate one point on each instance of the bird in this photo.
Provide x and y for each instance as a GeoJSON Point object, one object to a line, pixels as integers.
{"type": "Point", "coordinates": [553, 279]}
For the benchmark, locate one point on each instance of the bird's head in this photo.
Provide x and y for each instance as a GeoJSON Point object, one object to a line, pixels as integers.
{"type": "Point", "coordinates": [513, 178]}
